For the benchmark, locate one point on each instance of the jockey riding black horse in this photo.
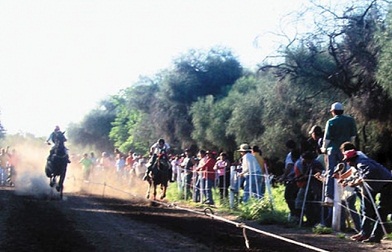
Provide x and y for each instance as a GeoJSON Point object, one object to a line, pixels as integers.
{"type": "Point", "coordinates": [160, 175]}
{"type": "Point", "coordinates": [57, 161]}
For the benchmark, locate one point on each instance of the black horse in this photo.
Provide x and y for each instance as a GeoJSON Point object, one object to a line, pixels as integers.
{"type": "Point", "coordinates": [57, 162]}
{"type": "Point", "coordinates": [159, 176]}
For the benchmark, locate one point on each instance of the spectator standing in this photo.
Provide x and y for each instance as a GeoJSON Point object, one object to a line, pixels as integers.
{"type": "Point", "coordinates": [129, 161]}
{"type": "Point", "coordinates": [94, 160]}
{"type": "Point", "coordinates": [310, 188]}
{"type": "Point", "coordinates": [3, 165]}
{"type": "Point", "coordinates": [339, 129]}
{"type": "Point", "coordinates": [175, 164]}
{"type": "Point", "coordinates": [87, 166]}
{"type": "Point", "coordinates": [201, 160]}
{"type": "Point", "coordinates": [222, 168]}
{"type": "Point", "coordinates": [208, 177]}
{"type": "Point", "coordinates": [105, 164]}
{"type": "Point", "coordinates": [251, 171]}
{"type": "Point", "coordinates": [120, 165]}
{"type": "Point", "coordinates": [186, 175]}
{"type": "Point", "coordinates": [256, 151]}
{"type": "Point", "coordinates": [13, 160]}
{"type": "Point", "coordinates": [315, 142]}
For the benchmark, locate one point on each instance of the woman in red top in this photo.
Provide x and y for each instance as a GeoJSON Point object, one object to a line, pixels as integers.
{"type": "Point", "coordinates": [208, 177]}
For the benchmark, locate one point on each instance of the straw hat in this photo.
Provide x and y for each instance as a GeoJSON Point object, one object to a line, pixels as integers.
{"type": "Point", "coordinates": [244, 147]}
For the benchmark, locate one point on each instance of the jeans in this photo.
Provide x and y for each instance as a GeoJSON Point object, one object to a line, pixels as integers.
{"type": "Point", "coordinates": [208, 183]}
{"type": "Point", "coordinates": [196, 188]}
{"type": "Point", "coordinates": [334, 157]}
{"type": "Point", "coordinates": [368, 209]}
{"type": "Point", "coordinates": [252, 187]}
{"type": "Point", "coordinates": [350, 204]}
{"type": "Point", "coordinates": [186, 184]}
{"type": "Point", "coordinates": [290, 194]}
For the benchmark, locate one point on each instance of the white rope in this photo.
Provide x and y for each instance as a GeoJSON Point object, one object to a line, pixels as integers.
{"type": "Point", "coordinates": [243, 226]}
{"type": "Point", "coordinates": [237, 224]}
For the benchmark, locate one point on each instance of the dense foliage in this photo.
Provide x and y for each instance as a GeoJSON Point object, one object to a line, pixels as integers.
{"type": "Point", "coordinates": [207, 100]}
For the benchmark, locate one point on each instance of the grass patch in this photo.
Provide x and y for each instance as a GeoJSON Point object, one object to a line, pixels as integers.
{"type": "Point", "coordinates": [272, 209]}
{"type": "Point", "coordinates": [321, 229]}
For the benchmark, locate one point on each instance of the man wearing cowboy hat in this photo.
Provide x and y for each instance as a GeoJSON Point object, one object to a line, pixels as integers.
{"type": "Point", "coordinates": [375, 179]}
{"type": "Point", "coordinates": [251, 171]}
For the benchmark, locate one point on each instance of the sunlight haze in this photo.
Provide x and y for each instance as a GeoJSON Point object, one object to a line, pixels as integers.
{"type": "Point", "coordinates": [58, 59]}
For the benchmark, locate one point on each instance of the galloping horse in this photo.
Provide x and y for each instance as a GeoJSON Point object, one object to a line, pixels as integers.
{"type": "Point", "coordinates": [57, 162]}
{"type": "Point", "coordinates": [160, 176]}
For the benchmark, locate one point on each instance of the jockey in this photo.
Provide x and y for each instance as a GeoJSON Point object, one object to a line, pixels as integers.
{"type": "Point", "coordinates": [158, 148]}
{"type": "Point", "coordinates": [52, 138]}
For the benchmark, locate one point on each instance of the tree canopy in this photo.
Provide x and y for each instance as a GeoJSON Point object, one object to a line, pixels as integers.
{"type": "Point", "coordinates": [207, 100]}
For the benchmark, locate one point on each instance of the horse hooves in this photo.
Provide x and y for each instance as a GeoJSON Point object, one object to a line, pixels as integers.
{"type": "Point", "coordinates": [147, 196]}
{"type": "Point", "coordinates": [58, 188]}
{"type": "Point", "coordinates": [162, 197]}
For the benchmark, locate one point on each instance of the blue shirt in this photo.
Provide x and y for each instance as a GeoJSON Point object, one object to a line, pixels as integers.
{"type": "Point", "coordinates": [370, 169]}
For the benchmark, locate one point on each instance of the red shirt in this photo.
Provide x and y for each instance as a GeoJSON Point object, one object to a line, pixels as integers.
{"type": "Point", "coordinates": [208, 169]}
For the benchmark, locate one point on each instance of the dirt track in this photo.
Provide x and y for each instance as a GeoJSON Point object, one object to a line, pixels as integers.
{"type": "Point", "coordinates": [89, 223]}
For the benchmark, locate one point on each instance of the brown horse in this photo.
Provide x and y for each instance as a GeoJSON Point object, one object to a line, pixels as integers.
{"type": "Point", "coordinates": [159, 176]}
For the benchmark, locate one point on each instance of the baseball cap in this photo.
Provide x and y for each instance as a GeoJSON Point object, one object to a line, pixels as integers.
{"type": "Point", "coordinates": [349, 154]}
{"type": "Point", "coordinates": [336, 106]}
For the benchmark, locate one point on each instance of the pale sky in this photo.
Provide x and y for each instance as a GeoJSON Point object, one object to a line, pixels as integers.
{"type": "Point", "coordinates": [58, 59]}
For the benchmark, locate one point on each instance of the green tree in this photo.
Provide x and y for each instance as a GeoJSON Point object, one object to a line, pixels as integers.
{"type": "Point", "coordinates": [384, 75]}
{"type": "Point", "coordinates": [94, 128]}
{"type": "Point", "coordinates": [339, 58]}
{"type": "Point", "coordinates": [199, 73]}
{"type": "Point", "coordinates": [195, 75]}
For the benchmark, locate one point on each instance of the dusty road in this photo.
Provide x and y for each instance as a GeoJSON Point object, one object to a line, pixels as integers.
{"type": "Point", "coordinates": [82, 222]}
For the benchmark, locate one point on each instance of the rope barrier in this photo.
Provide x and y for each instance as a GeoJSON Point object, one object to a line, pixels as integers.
{"type": "Point", "coordinates": [246, 238]}
{"type": "Point", "coordinates": [244, 227]}
{"type": "Point", "coordinates": [210, 213]}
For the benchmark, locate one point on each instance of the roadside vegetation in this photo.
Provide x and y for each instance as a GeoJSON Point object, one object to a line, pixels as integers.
{"type": "Point", "coordinates": [207, 100]}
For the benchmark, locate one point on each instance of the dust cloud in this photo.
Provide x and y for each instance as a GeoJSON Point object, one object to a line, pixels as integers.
{"type": "Point", "coordinates": [30, 178]}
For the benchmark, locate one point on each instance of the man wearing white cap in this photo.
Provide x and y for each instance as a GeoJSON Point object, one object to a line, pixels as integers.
{"type": "Point", "coordinates": [339, 129]}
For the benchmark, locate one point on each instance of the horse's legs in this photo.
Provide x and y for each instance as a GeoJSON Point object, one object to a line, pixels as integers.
{"type": "Point", "coordinates": [52, 181]}
{"type": "Point", "coordinates": [163, 195]}
{"type": "Point", "coordinates": [148, 190]}
{"type": "Point", "coordinates": [60, 184]}
{"type": "Point", "coordinates": [155, 192]}
{"type": "Point", "coordinates": [61, 180]}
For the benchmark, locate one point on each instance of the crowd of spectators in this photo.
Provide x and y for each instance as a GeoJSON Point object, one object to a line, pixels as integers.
{"type": "Point", "coordinates": [312, 175]}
